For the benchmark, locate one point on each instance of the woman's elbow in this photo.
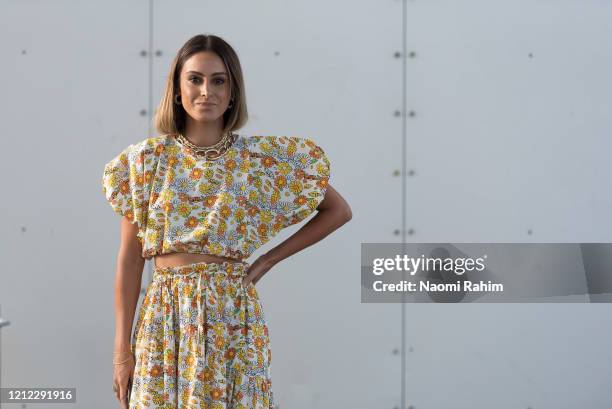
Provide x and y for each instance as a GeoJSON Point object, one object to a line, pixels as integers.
{"type": "Point", "coordinates": [348, 214]}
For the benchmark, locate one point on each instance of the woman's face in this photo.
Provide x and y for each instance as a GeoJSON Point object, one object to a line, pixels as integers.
{"type": "Point", "coordinates": [204, 86]}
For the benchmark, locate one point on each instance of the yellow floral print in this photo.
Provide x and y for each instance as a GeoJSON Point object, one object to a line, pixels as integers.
{"type": "Point", "coordinates": [208, 347]}
{"type": "Point", "coordinates": [262, 183]}
{"type": "Point", "coordinates": [201, 340]}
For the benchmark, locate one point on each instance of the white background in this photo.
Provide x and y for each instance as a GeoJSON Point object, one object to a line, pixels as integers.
{"type": "Point", "coordinates": [510, 134]}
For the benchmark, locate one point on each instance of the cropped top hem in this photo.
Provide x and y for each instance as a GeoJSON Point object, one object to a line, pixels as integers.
{"type": "Point", "coordinates": [190, 248]}
{"type": "Point", "coordinates": [225, 207]}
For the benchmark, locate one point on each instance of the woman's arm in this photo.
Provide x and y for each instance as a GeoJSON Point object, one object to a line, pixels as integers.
{"type": "Point", "coordinates": [333, 212]}
{"type": "Point", "coordinates": [127, 284]}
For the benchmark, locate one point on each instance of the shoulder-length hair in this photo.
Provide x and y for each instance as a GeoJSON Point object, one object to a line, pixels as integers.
{"type": "Point", "coordinates": [170, 117]}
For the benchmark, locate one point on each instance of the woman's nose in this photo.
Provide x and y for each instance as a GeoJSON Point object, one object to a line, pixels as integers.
{"type": "Point", "coordinates": [204, 89]}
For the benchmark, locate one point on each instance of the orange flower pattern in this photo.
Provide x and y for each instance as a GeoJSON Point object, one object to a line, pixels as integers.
{"type": "Point", "coordinates": [226, 207]}
{"type": "Point", "coordinates": [201, 341]}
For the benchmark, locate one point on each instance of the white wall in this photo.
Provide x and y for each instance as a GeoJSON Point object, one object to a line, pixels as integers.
{"type": "Point", "coordinates": [509, 135]}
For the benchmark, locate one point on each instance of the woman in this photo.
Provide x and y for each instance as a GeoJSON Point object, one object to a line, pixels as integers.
{"type": "Point", "coordinates": [200, 199]}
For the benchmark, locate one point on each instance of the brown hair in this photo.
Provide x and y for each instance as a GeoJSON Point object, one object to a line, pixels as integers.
{"type": "Point", "coordinates": [170, 117]}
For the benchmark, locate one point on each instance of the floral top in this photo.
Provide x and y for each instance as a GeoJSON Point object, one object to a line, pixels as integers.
{"type": "Point", "coordinates": [228, 206]}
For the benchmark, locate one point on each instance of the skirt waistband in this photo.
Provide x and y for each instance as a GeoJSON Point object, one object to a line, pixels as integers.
{"type": "Point", "coordinates": [230, 268]}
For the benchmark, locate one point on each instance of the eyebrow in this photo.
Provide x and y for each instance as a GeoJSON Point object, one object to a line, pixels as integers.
{"type": "Point", "coordinates": [199, 73]}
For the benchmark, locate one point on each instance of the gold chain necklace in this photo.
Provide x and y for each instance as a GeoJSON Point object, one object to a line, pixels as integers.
{"type": "Point", "coordinates": [209, 152]}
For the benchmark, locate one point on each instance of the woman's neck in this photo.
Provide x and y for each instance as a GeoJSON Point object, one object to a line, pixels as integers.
{"type": "Point", "coordinates": [203, 133]}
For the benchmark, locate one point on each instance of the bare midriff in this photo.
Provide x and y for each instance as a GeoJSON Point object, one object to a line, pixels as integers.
{"type": "Point", "coordinates": [180, 259]}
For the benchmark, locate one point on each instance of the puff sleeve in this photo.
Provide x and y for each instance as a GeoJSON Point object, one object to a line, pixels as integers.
{"type": "Point", "coordinates": [301, 175]}
{"type": "Point", "coordinates": [122, 184]}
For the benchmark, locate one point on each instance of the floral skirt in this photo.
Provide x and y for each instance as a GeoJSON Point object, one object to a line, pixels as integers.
{"type": "Point", "coordinates": [201, 341]}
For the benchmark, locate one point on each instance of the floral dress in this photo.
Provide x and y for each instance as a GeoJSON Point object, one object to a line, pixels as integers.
{"type": "Point", "coordinates": [201, 339]}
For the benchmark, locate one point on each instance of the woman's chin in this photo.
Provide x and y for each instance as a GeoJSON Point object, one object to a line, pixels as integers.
{"type": "Point", "coordinates": [206, 117]}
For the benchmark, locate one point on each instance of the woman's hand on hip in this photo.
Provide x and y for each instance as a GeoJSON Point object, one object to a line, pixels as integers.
{"type": "Point", "coordinates": [257, 270]}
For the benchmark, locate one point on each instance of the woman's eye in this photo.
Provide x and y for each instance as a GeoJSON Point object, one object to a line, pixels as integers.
{"type": "Point", "coordinates": [218, 80]}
